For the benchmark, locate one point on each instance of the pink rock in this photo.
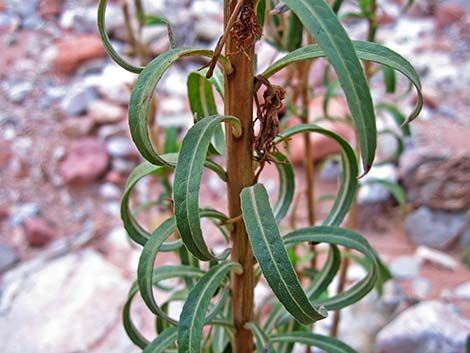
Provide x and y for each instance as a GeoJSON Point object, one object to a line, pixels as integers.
{"type": "Point", "coordinates": [86, 162]}
{"type": "Point", "coordinates": [447, 14]}
{"type": "Point", "coordinates": [38, 232]}
{"type": "Point", "coordinates": [50, 8]}
{"type": "Point", "coordinates": [322, 146]}
{"type": "Point", "coordinates": [76, 50]}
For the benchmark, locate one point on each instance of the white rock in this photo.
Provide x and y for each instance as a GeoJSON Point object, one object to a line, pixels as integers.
{"type": "Point", "coordinates": [67, 306]}
{"type": "Point", "coordinates": [19, 91]}
{"type": "Point", "coordinates": [373, 192]}
{"type": "Point", "coordinates": [77, 99]}
{"type": "Point", "coordinates": [463, 291]}
{"type": "Point", "coordinates": [436, 257]}
{"type": "Point", "coordinates": [430, 327]}
{"type": "Point", "coordinates": [405, 267]}
{"type": "Point", "coordinates": [113, 83]}
{"type": "Point", "coordinates": [110, 191]}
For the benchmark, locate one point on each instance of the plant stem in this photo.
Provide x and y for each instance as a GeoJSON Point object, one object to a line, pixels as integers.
{"type": "Point", "coordinates": [239, 102]}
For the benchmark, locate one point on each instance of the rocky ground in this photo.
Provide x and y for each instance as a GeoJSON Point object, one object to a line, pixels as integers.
{"type": "Point", "coordinates": [65, 153]}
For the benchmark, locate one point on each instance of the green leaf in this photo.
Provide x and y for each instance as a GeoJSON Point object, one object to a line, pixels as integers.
{"type": "Point", "coordinates": [163, 341]}
{"type": "Point", "coordinates": [327, 344]}
{"type": "Point", "coordinates": [346, 238]}
{"type": "Point", "coordinates": [262, 341]}
{"type": "Point", "coordinates": [159, 274]}
{"type": "Point", "coordinates": [157, 20]}
{"type": "Point", "coordinates": [171, 140]}
{"type": "Point", "coordinates": [118, 59]}
{"type": "Point", "coordinates": [397, 116]}
{"type": "Point", "coordinates": [365, 51]}
{"type": "Point", "coordinates": [286, 186]}
{"type": "Point", "coordinates": [202, 103]}
{"type": "Point", "coordinates": [221, 335]}
{"type": "Point", "coordinates": [191, 319]}
{"type": "Point", "coordinates": [325, 27]}
{"type": "Point", "coordinates": [395, 189]}
{"type": "Point", "coordinates": [389, 79]}
{"type": "Point", "coordinates": [348, 184]}
{"type": "Point", "coordinates": [142, 93]}
{"type": "Point", "coordinates": [187, 183]}
{"type": "Point", "coordinates": [272, 256]}
{"type": "Point", "coordinates": [261, 12]}
{"type": "Point", "coordinates": [336, 6]}
{"type": "Point", "coordinates": [136, 232]}
{"type": "Point", "coordinates": [293, 35]}
{"type": "Point", "coordinates": [147, 261]}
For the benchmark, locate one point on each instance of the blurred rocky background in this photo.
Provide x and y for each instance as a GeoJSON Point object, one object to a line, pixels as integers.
{"type": "Point", "coordinates": [65, 153]}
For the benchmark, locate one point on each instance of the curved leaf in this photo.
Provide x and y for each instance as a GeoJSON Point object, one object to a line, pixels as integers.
{"type": "Point", "coordinates": [147, 261]}
{"type": "Point", "coordinates": [190, 325]}
{"type": "Point", "coordinates": [202, 103]}
{"type": "Point", "coordinates": [163, 341]}
{"type": "Point", "coordinates": [262, 341]}
{"type": "Point", "coordinates": [365, 51]}
{"type": "Point", "coordinates": [272, 256]}
{"type": "Point", "coordinates": [348, 184]}
{"type": "Point", "coordinates": [346, 238]}
{"type": "Point", "coordinates": [159, 274]}
{"type": "Point", "coordinates": [395, 189]}
{"type": "Point", "coordinates": [397, 116]}
{"type": "Point", "coordinates": [142, 93]}
{"type": "Point", "coordinates": [327, 344]}
{"type": "Point", "coordinates": [286, 186]}
{"type": "Point", "coordinates": [187, 183]}
{"type": "Point", "coordinates": [136, 232]}
{"type": "Point", "coordinates": [324, 26]}
{"type": "Point", "coordinates": [107, 43]}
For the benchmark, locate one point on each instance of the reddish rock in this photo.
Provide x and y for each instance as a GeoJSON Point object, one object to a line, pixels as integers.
{"type": "Point", "coordinates": [74, 51]}
{"type": "Point", "coordinates": [114, 177]}
{"type": "Point", "coordinates": [322, 146]}
{"type": "Point", "coordinates": [4, 213]}
{"type": "Point", "coordinates": [39, 232]}
{"type": "Point", "coordinates": [103, 112]}
{"type": "Point", "coordinates": [385, 19]}
{"type": "Point", "coordinates": [447, 14]}
{"type": "Point", "coordinates": [50, 8]}
{"type": "Point", "coordinates": [86, 162]}
{"type": "Point", "coordinates": [78, 127]}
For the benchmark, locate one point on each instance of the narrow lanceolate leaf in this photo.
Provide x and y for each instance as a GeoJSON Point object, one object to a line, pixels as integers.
{"type": "Point", "coordinates": [389, 79]}
{"type": "Point", "coordinates": [397, 115]}
{"type": "Point", "coordinates": [202, 103]}
{"type": "Point", "coordinates": [272, 256]}
{"type": "Point", "coordinates": [160, 274]}
{"type": "Point", "coordinates": [194, 310]}
{"type": "Point", "coordinates": [147, 261]}
{"type": "Point", "coordinates": [221, 335]}
{"type": "Point", "coordinates": [262, 341]}
{"type": "Point", "coordinates": [325, 343]}
{"type": "Point", "coordinates": [187, 183]}
{"type": "Point", "coordinates": [142, 93]}
{"type": "Point", "coordinates": [324, 26]}
{"type": "Point", "coordinates": [349, 173]}
{"type": "Point", "coordinates": [118, 59]}
{"type": "Point", "coordinates": [286, 186]}
{"type": "Point", "coordinates": [163, 341]}
{"type": "Point", "coordinates": [346, 238]}
{"type": "Point", "coordinates": [365, 51]}
{"type": "Point", "coordinates": [136, 232]}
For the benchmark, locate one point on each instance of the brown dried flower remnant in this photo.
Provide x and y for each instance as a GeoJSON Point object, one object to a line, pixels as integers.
{"type": "Point", "coordinates": [246, 29]}
{"type": "Point", "coordinates": [268, 116]}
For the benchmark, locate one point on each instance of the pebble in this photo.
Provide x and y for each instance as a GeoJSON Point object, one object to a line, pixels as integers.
{"type": "Point", "coordinates": [19, 91]}
{"type": "Point", "coordinates": [77, 100]}
{"type": "Point", "coordinates": [121, 147]}
{"type": "Point", "coordinates": [421, 287]}
{"type": "Point", "coordinates": [83, 19]}
{"type": "Point", "coordinates": [433, 228]}
{"type": "Point", "coordinates": [405, 267]}
{"type": "Point", "coordinates": [110, 191]}
{"type": "Point", "coordinates": [371, 192]}
{"type": "Point", "coordinates": [22, 212]}
{"type": "Point", "coordinates": [8, 258]}
{"type": "Point", "coordinates": [463, 291]}
{"type": "Point", "coordinates": [39, 232]}
{"type": "Point", "coordinates": [75, 50]}
{"type": "Point", "coordinates": [430, 327]}
{"type": "Point", "coordinates": [78, 127]}
{"type": "Point", "coordinates": [113, 83]}
{"type": "Point", "coordinates": [103, 112]}
{"type": "Point", "coordinates": [86, 161]}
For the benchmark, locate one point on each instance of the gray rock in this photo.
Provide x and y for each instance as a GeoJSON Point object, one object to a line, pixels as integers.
{"type": "Point", "coordinates": [8, 258]}
{"type": "Point", "coordinates": [120, 147]}
{"type": "Point", "coordinates": [23, 8]}
{"type": "Point", "coordinates": [69, 305]}
{"type": "Point", "coordinates": [434, 228]}
{"type": "Point", "coordinates": [371, 192]}
{"type": "Point", "coordinates": [19, 91]}
{"type": "Point", "coordinates": [430, 327]}
{"type": "Point", "coordinates": [405, 267]}
{"type": "Point", "coordinates": [77, 100]}
{"type": "Point", "coordinates": [83, 19]}
{"type": "Point", "coordinates": [22, 212]}
{"type": "Point", "coordinates": [421, 287]}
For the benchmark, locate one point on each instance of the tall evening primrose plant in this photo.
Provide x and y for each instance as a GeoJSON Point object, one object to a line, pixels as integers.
{"type": "Point", "coordinates": [219, 313]}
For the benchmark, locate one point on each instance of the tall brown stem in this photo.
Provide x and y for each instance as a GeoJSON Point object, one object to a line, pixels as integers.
{"type": "Point", "coordinates": [239, 102]}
